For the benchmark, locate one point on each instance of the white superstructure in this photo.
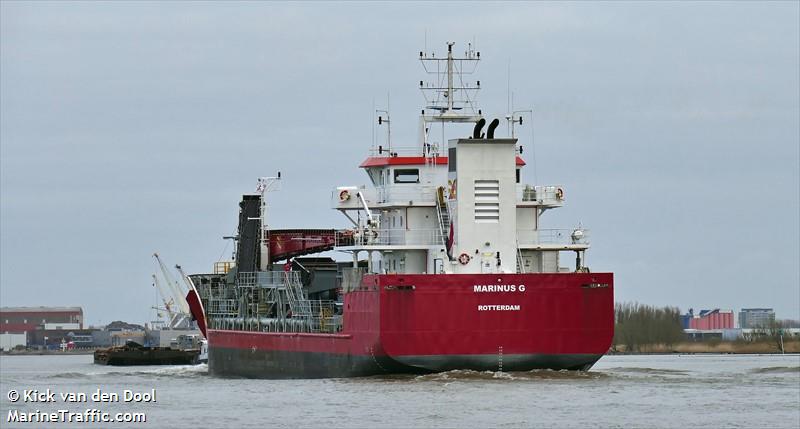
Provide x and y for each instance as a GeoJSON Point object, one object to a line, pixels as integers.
{"type": "Point", "coordinates": [457, 208]}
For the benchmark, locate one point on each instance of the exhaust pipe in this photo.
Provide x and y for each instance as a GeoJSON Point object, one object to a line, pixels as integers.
{"type": "Point", "coordinates": [476, 132]}
{"type": "Point", "coordinates": [492, 126]}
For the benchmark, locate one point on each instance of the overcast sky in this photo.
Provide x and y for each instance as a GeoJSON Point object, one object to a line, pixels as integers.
{"type": "Point", "coordinates": [128, 128]}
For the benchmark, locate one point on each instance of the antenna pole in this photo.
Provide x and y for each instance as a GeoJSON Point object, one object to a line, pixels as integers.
{"type": "Point", "coordinates": [450, 76]}
{"type": "Point", "coordinates": [508, 89]}
{"type": "Point", "coordinates": [388, 119]}
{"type": "Point", "coordinates": [388, 122]}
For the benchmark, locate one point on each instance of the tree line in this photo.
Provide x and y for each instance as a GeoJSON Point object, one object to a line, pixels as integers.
{"type": "Point", "coordinates": [637, 325]}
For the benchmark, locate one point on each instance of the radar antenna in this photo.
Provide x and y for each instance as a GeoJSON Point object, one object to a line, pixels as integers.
{"type": "Point", "coordinates": [449, 99]}
{"type": "Point", "coordinates": [452, 99]}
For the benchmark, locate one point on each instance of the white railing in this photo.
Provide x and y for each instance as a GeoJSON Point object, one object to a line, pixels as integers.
{"type": "Point", "coordinates": [406, 193]}
{"type": "Point", "coordinates": [347, 198]}
{"type": "Point", "coordinates": [428, 237]}
{"type": "Point", "coordinates": [394, 237]}
{"type": "Point", "coordinates": [410, 236]}
{"type": "Point", "coordinates": [545, 195]}
{"type": "Point", "coordinates": [551, 236]}
{"type": "Point", "coordinates": [400, 151]}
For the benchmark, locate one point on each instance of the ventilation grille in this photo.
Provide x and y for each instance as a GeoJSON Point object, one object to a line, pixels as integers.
{"type": "Point", "coordinates": [487, 201]}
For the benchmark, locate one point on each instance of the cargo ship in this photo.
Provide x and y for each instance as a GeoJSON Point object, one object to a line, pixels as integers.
{"type": "Point", "coordinates": [450, 267]}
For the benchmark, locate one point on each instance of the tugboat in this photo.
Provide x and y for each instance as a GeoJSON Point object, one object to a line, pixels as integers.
{"type": "Point", "coordinates": [458, 271]}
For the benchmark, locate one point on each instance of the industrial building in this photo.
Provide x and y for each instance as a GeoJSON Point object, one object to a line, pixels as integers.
{"type": "Point", "coordinates": [708, 319]}
{"type": "Point", "coordinates": [44, 326]}
{"type": "Point", "coordinates": [16, 320]}
{"type": "Point", "coordinates": [50, 327]}
{"type": "Point", "coordinates": [719, 324]}
{"type": "Point", "coordinates": [753, 318]}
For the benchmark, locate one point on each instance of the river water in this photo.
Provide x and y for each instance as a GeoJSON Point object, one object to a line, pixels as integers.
{"type": "Point", "coordinates": [620, 391]}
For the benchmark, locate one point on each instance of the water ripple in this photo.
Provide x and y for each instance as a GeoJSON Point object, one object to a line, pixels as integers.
{"type": "Point", "coordinates": [776, 370]}
{"type": "Point", "coordinates": [180, 371]}
{"type": "Point", "coordinates": [651, 371]}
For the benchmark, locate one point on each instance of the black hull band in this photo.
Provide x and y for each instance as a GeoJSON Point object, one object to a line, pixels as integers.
{"type": "Point", "coordinates": [280, 364]}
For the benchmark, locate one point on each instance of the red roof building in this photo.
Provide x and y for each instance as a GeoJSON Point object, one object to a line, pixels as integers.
{"type": "Point", "coordinates": [712, 319]}
{"type": "Point", "coordinates": [15, 320]}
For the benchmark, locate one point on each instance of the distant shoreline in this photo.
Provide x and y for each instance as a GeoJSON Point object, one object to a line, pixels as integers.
{"type": "Point", "coordinates": [713, 347]}
{"type": "Point", "coordinates": [46, 352]}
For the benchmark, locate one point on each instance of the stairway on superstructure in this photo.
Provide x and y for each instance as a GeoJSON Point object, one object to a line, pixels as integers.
{"type": "Point", "coordinates": [444, 215]}
{"type": "Point", "coordinates": [298, 302]}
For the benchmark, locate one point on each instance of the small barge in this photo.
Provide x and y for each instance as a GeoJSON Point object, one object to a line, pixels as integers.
{"type": "Point", "coordinates": [136, 354]}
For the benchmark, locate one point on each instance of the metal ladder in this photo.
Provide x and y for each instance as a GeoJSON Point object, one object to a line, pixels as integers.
{"type": "Point", "coordinates": [520, 262]}
{"type": "Point", "coordinates": [297, 301]}
{"type": "Point", "coordinates": [443, 214]}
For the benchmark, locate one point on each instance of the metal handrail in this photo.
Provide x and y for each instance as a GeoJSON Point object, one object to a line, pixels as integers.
{"type": "Point", "coordinates": [543, 194]}
{"type": "Point", "coordinates": [400, 151]}
{"type": "Point", "coordinates": [550, 236]}
{"type": "Point", "coordinates": [394, 237]}
{"type": "Point", "coordinates": [269, 279]}
{"type": "Point", "coordinates": [404, 193]}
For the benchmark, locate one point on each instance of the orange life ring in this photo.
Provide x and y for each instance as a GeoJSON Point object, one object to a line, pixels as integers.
{"type": "Point", "coordinates": [560, 193]}
{"type": "Point", "coordinates": [463, 259]}
{"type": "Point", "coordinates": [344, 195]}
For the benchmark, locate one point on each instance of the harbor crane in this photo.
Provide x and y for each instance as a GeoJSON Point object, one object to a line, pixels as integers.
{"type": "Point", "coordinates": [177, 293]}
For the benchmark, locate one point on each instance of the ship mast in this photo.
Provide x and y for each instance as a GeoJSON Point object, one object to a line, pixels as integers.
{"type": "Point", "coordinates": [450, 93]}
{"type": "Point", "coordinates": [450, 98]}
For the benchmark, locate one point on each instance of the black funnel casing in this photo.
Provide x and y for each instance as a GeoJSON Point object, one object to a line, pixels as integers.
{"type": "Point", "coordinates": [248, 250]}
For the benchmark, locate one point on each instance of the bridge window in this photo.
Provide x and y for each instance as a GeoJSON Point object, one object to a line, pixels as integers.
{"type": "Point", "coordinates": [406, 175]}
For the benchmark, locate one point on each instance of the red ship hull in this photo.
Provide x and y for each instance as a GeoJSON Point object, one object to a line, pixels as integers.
{"type": "Point", "coordinates": [426, 323]}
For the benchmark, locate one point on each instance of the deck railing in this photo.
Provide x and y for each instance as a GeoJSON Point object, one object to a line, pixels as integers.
{"type": "Point", "coordinates": [267, 279]}
{"type": "Point", "coordinates": [404, 193]}
{"type": "Point", "coordinates": [272, 301]}
{"type": "Point", "coordinates": [399, 150]}
{"type": "Point", "coordinates": [552, 195]}
{"type": "Point", "coordinates": [393, 237]}
{"type": "Point", "coordinates": [551, 236]}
